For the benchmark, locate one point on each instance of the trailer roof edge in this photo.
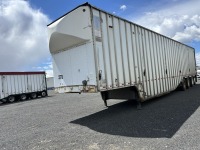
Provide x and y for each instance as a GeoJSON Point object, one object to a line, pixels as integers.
{"type": "Point", "coordinates": [88, 4]}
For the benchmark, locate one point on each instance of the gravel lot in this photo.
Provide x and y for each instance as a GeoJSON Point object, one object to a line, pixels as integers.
{"type": "Point", "coordinates": [73, 121]}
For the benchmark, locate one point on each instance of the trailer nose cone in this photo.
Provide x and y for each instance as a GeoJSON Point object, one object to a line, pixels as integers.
{"type": "Point", "coordinates": [72, 29]}
{"type": "Point", "coordinates": [59, 41]}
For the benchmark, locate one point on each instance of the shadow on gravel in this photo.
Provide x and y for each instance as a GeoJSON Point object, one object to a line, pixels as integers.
{"type": "Point", "coordinates": [160, 117]}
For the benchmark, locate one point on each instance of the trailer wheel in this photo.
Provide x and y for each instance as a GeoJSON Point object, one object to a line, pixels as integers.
{"type": "Point", "coordinates": [23, 97]}
{"type": "Point", "coordinates": [191, 82]}
{"type": "Point", "coordinates": [194, 80]}
{"type": "Point", "coordinates": [33, 95]}
{"type": "Point", "coordinates": [183, 86]}
{"type": "Point", "coordinates": [44, 93]}
{"type": "Point", "coordinates": [188, 83]}
{"type": "Point", "coordinates": [11, 99]}
{"type": "Point", "coordinates": [4, 100]}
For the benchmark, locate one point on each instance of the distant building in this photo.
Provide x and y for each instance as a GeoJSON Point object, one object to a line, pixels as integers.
{"type": "Point", "coordinates": [50, 83]}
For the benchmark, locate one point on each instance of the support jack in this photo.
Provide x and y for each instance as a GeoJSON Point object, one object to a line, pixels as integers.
{"type": "Point", "coordinates": [105, 103]}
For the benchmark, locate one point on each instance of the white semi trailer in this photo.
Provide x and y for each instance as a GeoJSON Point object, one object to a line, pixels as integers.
{"type": "Point", "coordinates": [22, 85]}
{"type": "Point", "coordinates": [95, 51]}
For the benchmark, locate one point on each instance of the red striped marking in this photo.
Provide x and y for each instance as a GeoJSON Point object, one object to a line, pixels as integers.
{"type": "Point", "coordinates": [21, 73]}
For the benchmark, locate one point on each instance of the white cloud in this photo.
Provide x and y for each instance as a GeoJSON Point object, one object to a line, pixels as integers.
{"type": "Point", "coordinates": [123, 7]}
{"type": "Point", "coordinates": [49, 73]}
{"type": "Point", "coordinates": [23, 36]}
{"type": "Point", "coordinates": [47, 66]}
{"type": "Point", "coordinates": [179, 21]}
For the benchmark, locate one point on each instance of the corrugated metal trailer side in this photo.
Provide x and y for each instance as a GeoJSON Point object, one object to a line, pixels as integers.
{"type": "Point", "coordinates": [22, 85]}
{"type": "Point", "coordinates": [128, 61]}
{"type": "Point", "coordinates": [138, 57]}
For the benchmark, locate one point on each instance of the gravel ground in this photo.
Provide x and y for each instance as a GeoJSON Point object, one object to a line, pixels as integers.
{"type": "Point", "coordinates": [73, 121]}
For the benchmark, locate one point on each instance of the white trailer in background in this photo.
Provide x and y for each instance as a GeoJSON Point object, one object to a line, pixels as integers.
{"type": "Point", "coordinates": [22, 85]}
{"type": "Point", "coordinates": [95, 51]}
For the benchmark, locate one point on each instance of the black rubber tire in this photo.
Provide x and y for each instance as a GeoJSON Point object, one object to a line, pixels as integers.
{"type": "Point", "coordinates": [11, 99]}
{"type": "Point", "coordinates": [23, 97]}
{"type": "Point", "coordinates": [191, 82]}
{"type": "Point", "coordinates": [183, 86]}
{"type": "Point", "coordinates": [194, 79]}
{"type": "Point", "coordinates": [33, 95]}
{"type": "Point", "coordinates": [43, 93]}
{"type": "Point", "coordinates": [187, 83]}
{"type": "Point", "coordinates": [4, 100]}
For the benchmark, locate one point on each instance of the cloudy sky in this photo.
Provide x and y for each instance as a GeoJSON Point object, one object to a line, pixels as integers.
{"type": "Point", "coordinates": [23, 30]}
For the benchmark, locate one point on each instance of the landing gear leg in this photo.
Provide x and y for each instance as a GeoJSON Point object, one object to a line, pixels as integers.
{"type": "Point", "coordinates": [105, 103]}
{"type": "Point", "coordinates": [104, 97]}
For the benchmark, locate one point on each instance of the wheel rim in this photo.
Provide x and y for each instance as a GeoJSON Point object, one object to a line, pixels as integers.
{"type": "Point", "coordinates": [43, 94]}
{"type": "Point", "coordinates": [188, 83]}
{"type": "Point", "coordinates": [184, 85]}
{"type": "Point", "coordinates": [23, 97]}
{"type": "Point", "coordinates": [11, 99]}
{"type": "Point", "coordinates": [194, 80]}
{"type": "Point", "coordinates": [33, 95]}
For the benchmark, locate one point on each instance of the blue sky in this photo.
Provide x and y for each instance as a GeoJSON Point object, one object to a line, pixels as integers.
{"type": "Point", "coordinates": [23, 31]}
{"type": "Point", "coordinates": [55, 9]}
{"type": "Point", "coordinates": [135, 8]}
